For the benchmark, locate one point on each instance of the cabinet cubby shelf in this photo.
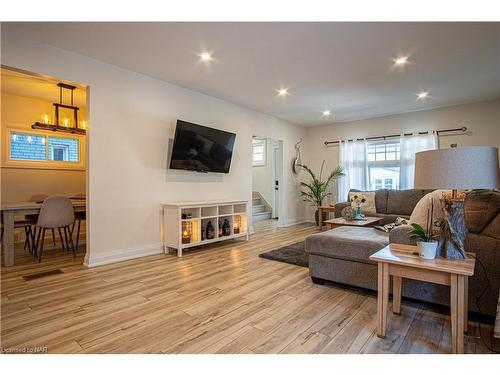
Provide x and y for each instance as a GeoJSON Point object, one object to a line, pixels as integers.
{"type": "Point", "coordinates": [174, 228]}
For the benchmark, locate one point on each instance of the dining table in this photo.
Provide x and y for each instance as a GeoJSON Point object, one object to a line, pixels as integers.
{"type": "Point", "coordinates": [11, 210]}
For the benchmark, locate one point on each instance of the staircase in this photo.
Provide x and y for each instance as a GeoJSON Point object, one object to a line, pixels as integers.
{"type": "Point", "coordinates": [260, 208]}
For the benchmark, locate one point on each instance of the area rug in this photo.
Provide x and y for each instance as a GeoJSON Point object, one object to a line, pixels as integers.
{"type": "Point", "coordinates": [293, 254]}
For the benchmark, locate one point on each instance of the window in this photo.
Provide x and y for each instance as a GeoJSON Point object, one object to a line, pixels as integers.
{"type": "Point", "coordinates": [27, 147]}
{"type": "Point", "coordinates": [39, 150]}
{"type": "Point", "coordinates": [383, 164]}
{"type": "Point", "coordinates": [258, 152]}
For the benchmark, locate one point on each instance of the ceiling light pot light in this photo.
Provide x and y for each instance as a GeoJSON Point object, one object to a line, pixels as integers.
{"type": "Point", "coordinates": [283, 92]}
{"type": "Point", "coordinates": [205, 57]}
{"type": "Point", "coordinates": [400, 61]}
{"type": "Point", "coordinates": [422, 95]}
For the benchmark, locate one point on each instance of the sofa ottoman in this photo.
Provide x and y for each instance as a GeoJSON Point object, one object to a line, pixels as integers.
{"type": "Point", "coordinates": [342, 255]}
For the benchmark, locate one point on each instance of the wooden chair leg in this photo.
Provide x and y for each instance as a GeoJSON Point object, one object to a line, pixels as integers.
{"type": "Point", "coordinates": [53, 237]}
{"type": "Point", "coordinates": [61, 238]}
{"type": "Point", "coordinates": [42, 230]}
{"type": "Point", "coordinates": [78, 234]}
{"type": "Point", "coordinates": [72, 244]}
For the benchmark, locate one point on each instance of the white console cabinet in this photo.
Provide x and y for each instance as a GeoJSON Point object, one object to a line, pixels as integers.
{"type": "Point", "coordinates": [182, 223]}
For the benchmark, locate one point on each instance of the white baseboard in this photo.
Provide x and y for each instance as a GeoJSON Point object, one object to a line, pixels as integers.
{"type": "Point", "coordinates": [120, 255]}
{"type": "Point", "coordinates": [289, 223]}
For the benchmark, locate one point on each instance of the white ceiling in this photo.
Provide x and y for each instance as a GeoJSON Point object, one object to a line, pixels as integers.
{"type": "Point", "coordinates": [344, 67]}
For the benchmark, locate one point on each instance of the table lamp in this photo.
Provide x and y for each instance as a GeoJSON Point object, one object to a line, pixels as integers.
{"type": "Point", "coordinates": [456, 168]}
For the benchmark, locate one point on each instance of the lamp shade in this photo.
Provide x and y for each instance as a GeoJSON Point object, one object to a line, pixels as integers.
{"type": "Point", "coordinates": [457, 168]}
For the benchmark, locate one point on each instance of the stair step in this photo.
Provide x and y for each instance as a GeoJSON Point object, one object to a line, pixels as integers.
{"type": "Point", "coordinates": [256, 201]}
{"type": "Point", "coordinates": [258, 208]}
{"type": "Point", "coordinates": [261, 216]}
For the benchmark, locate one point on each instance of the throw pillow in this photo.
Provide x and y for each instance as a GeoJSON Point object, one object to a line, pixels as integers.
{"type": "Point", "coordinates": [369, 206]}
{"type": "Point", "coordinates": [388, 227]}
{"type": "Point", "coordinates": [419, 214]}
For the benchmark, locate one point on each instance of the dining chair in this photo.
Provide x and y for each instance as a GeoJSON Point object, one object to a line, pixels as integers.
{"type": "Point", "coordinates": [79, 216]}
{"type": "Point", "coordinates": [55, 213]}
{"type": "Point", "coordinates": [26, 224]}
{"type": "Point", "coordinates": [39, 198]}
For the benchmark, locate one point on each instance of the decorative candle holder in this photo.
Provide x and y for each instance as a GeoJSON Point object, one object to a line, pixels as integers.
{"type": "Point", "coordinates": [237, 224]}
{"type": "Point", "coordinates": [187, 231]}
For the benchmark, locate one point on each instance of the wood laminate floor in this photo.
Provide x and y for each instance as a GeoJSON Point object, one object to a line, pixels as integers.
{"type": "Point", "coordinates": [219, 299]}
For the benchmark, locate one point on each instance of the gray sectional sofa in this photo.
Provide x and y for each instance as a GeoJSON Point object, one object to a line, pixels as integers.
{"type": "Point", "coordinates": [341, 254]}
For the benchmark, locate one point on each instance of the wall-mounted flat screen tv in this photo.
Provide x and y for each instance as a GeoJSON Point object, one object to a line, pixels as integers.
{"type": "Point", "coordinates": [200, 148]}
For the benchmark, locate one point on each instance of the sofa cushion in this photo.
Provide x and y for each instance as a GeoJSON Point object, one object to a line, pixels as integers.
{"type": "Point", "coordinates": [390, 218]}
{"type": "Point", "coordinates": [403, 201]}
{"type": "Point", "coordinates": [481, 207]}
{"type": "Point", "coordinates": [368, 207]}
{"type": "Point", "coordinates": [423, 207]}
{"type": "Point", "coordinates": [493, 228]}
{"type": "Point", "coordinates": [348, 243]}
{"type": "Point", "coordinates": [380, 199]}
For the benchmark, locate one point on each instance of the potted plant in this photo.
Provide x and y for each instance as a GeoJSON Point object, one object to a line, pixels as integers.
{"type": "Point", "coordinates": [426, 241]}
{"type": "Point", "coordinates": [316, 190]}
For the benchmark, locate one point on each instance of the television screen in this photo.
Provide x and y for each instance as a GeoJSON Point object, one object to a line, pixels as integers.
{"type": "Point", "coordinates": [203, 149]}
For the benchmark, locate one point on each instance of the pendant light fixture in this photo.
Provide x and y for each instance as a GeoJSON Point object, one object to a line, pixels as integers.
{"type": "Point", "coordinates": [66, 126]}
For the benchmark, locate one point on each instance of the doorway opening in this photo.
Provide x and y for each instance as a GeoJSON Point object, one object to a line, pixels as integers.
{"type": "Point", "coordinates": [267, 177]}
{"type": "Point", "coordinates": [44, 133]}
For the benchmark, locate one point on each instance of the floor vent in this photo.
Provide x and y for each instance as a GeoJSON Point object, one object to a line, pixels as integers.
{"type": "Point", "coordinates": [34, 276]}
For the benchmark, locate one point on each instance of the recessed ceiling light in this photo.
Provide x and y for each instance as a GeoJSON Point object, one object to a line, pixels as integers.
{"type": "Point", "coordinates": [283, 92]}
{"type": "Point", "coordinates": [401, 60]}
{"type": "Point", "coordinates": [205, 56]}
{"type": "Point", "coordinates": [423, 95]}
{"type": "Point", "coordinates": [326, 112]}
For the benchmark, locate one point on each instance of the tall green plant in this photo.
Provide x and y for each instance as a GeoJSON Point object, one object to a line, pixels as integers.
{"type": "Point", "coordinates": [317, 190]}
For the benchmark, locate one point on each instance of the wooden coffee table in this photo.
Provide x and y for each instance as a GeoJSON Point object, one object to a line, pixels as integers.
{"type": "Point", "coordinates": [402, 261]}
{"type": "Point", "coordinates": [340, 221]}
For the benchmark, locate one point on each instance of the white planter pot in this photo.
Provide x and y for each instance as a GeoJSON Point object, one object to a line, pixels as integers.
{"type": "Point", "coordinates": [427, 250]}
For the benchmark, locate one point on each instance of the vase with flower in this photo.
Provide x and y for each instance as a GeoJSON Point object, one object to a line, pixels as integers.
{"type": "Point", "coordinates": [358, 200]}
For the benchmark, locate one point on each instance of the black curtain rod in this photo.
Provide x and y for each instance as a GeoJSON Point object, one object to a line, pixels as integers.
{"type": "Point", "coordinates": [463, 129]}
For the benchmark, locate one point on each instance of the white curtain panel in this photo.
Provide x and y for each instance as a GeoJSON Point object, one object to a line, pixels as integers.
{"type": "Point", "coordinates": [409, 146]}
{"type": "Point", "coordinates": [352, 157]}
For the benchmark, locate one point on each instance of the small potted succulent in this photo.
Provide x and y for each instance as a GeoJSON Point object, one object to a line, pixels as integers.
{"type": "Point", "coordinates": [425, 238]}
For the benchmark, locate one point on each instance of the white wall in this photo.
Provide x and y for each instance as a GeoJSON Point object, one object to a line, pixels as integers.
{"type": "Point", "coordinates": [132, 117]}
{"type": "Point", "coordinates": [482, 119]}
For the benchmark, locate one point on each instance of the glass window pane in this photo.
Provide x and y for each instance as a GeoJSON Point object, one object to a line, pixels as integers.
{"type": "Point", "coordinates": [27, 147]}
{"type": "Point", "coordinates": [258, 157]}
{"type": "Point", "coordinates": [384, 177]}
{"type": "Point", "coordinates": [64, 149]}
{"type": "Point", "coordinates": [258, 149]}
